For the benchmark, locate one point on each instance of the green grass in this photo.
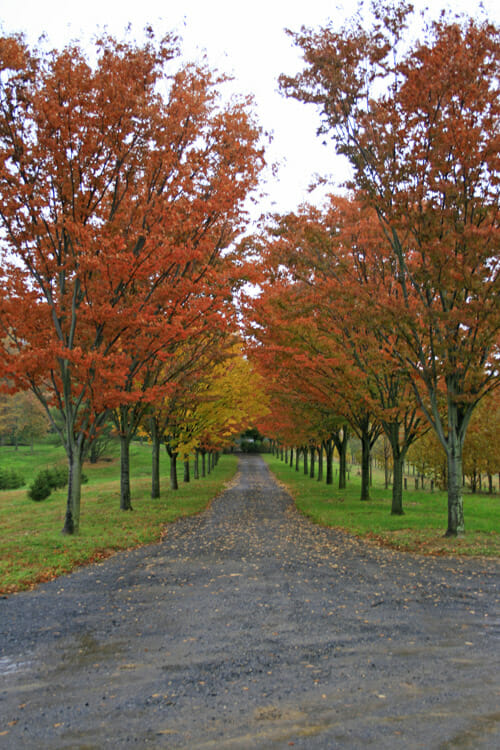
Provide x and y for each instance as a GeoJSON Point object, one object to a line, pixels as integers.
{"type": "Point", "coordinates": [28, 462]}
{"type": "Point", "coordinates": [32, 548]}
{"type": "Point", "coordinates": [421, 528]}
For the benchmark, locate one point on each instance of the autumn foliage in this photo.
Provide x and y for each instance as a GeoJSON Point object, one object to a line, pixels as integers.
{"type": "Point", "coordinates": [418, 123]}
{"type": "Point", "coordinates": [121, 183]}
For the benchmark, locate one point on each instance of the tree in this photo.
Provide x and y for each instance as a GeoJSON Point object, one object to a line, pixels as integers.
{"type": "Point", "coordinates": [429, 459]}
{"type": "Point", "coordinates": [101, 443]}
{"type": "Point", "coordinates": [419, 125]}
{"type": "Point", "coordinates": [283, 345]}
{"type": "Point", "coordinates": [22, 419]}
{"type": "Point", "coordinates": [114, 179]}
{"type": "Point", "coordinates": [161, 370]}
{"type": "Point", "coordinates": [207, 410]}
{"type": "Point", "coordinates": [330, 268]}
{"type": "Point", "coordinates": [481, 450]}
{"type": "Point", "coordinates": [181, 373]}
{"type": "Point", "coordinates": [344, 290]}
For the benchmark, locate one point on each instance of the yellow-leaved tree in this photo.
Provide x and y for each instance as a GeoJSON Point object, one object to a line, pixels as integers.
{"type": "Point", "coordinates": [203, 414]}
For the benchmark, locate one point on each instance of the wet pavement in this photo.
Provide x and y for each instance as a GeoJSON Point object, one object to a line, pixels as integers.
{"type": "Point", "coordinates": [250, 627]}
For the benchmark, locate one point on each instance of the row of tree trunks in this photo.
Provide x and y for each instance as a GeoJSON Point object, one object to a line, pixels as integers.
{"type": "Point", "coordinates": [324, 452]}
{"type": "Point", "coordinates": [209, 460]}
{"type": "Point", "coordinates": [206, 466]}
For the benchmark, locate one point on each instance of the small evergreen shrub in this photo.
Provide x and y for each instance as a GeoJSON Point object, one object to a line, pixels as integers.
{"type": "Point", "coordinates": [10, 479]}
{"type": "Point", "coordinates": [40, 489]}
{"type": "Point", "coordinates": [57, 477]}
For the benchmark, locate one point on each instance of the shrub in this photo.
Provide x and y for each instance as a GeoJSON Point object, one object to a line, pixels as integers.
{"type": "Point", "coordinates": [40, 489]}
{"type": "Point", "coordinates": [10, 479]}
{"type": "Point", "coordinates": [53, 479]}
{"type": "Point", "coordinates": [57, 477]}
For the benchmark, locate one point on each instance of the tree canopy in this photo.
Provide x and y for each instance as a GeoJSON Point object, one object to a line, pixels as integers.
{"type": "Point", "coordinates": [418, 121]}
{"type": "Point", "coordinates": [121, 183]}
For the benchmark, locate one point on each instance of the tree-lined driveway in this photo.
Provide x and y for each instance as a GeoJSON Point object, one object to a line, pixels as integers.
{"type": "Point", "coordinates": [250, 627]}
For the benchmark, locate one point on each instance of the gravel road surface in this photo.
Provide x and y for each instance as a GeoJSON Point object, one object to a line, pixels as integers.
{"type": "Point", "coordinates": [249, 627]}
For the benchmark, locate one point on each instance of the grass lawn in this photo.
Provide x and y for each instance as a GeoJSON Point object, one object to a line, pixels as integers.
{"type": "Point", "coordinates": [421, 529]}
{"type": "Point", "coordinates": [32, 548]}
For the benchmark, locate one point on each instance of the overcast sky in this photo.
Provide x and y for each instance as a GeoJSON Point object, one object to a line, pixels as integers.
{"type": "Point", "coordinates": [246, 40]}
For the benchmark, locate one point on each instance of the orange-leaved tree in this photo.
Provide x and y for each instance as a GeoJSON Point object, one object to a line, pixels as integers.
{"type": "Point", "coordinates": [112, 175]}
{"type": "Point", "coordinates": [283, 343]}
{"type": "Point", "coordinates": [337, 255]}
{"type": "Point", "coordinates": [481, 449]}
{"type": "Point", "coordinates": [418, 122]}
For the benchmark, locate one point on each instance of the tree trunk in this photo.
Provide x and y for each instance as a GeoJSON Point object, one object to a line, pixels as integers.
{"type": "Point", "coordinates": [125, 496]}
{"type": "Point", "coordinates": [291, 456]}
{"type": "Point", "coordinates": [173, 470]}
{"type": "Point", "coordinates": [320, 462]}
{"type": "Point", "coordinates": [72, 518]}
{"type": "Point", "coordinates": [304, 451]}
{"type": "Point", "coordinates": [365, 466]}
{"type": "Point", "coordinates": [341, 445]}
{"type": "Point", "coordinates": [186, 470]}
{"type": "Point", "coordinates": [196, 464]}
{"type": "Point", "coordinates": [397, 483]}
{"type": "Point", "coordinates": [297, 459]}
{"type": "Point", "coordinates": [312, 456]}
{"type": "Point", "coordinates": [329, 460]}
{"type": "Point", "coordinates": [456, 524]}
{"type": "Point", "coordinates": [343, 463]}
{"type": "Point", "coordinates": [392, 434]}
{"type": "Point", "coordinates": [473, 482]}
{"type": "Point", "coordinates": [203, 463]}
{"type": "Point", "coordinates": [155, 460]}
{"type": "Point", "coordinates": [94, 452]}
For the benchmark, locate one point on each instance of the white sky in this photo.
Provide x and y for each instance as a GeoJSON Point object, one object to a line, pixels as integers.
{"type": "Point", "coordinates": [246, 40]}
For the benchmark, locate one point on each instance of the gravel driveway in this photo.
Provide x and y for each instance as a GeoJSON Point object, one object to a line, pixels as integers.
{"type": "Point", "coordinates": [249, 627]}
